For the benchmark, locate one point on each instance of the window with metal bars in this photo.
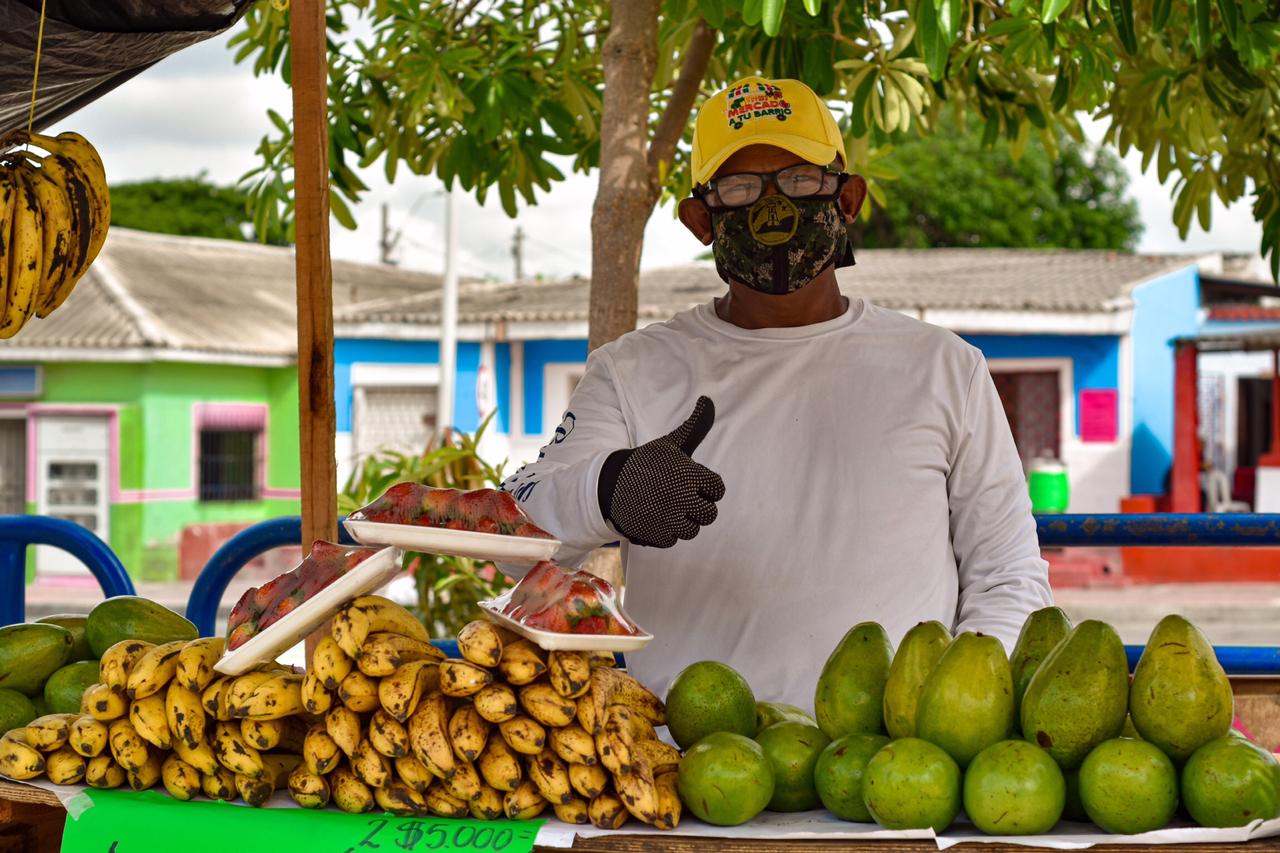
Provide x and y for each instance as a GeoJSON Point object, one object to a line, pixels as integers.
{"type": "Point", "coordinates": [229, 463]}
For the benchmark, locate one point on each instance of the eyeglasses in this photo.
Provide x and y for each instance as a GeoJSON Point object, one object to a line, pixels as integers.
{"type": "Point", "coordinates": [803, 180]}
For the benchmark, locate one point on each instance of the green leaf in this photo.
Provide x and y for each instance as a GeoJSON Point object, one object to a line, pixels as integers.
{"type": "Point", "coordinates": [713, 12]}
{"type": "Point", "coordinates": [752, 11]}
{"type": "Point", "coordinates": [934, 44]}
{"type": "Point", "coordinates": [1061, 86]}
{"type": "Point", "coordinates": [1122, 14]}
{"type": "Point", "coordinates": [1201, 36]}
{"type": "Point", "coordinates": [1230, 18]}
{"type": "Point", "coordinates": [771, 16]}
{"type": "Point", "coordinates": [341, 212]}
{"type": "Point", "coordinates": [813, 7]}
{"type": "Point", "coordinates": [1160, 10]}
{"type": "Point", "coordinates": [1051, 9]}
{"type": "Point", "coordinates": [858, 108]}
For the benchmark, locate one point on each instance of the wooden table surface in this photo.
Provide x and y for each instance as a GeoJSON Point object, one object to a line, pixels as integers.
{"type": "Point", "coordinates": [31, 821]}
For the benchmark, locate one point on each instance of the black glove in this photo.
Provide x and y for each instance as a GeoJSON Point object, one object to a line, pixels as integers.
{"type": "Point", "coordinates": [655, 494]}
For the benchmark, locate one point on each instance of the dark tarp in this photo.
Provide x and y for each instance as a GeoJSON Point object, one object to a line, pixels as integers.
{"type": "Point", "coordinates": [92, 46]}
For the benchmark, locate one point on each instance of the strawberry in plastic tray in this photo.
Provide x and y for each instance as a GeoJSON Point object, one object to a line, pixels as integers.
{"type": "Point", "coordinates": [262, 606]}
{"type": "Point", "coordinates": [478, 510]}
{"type": "Point", "coordinates": [552, 598]}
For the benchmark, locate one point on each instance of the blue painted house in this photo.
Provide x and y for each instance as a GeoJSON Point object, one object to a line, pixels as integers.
{"type": "Point", "coordinates": [1078, 342]}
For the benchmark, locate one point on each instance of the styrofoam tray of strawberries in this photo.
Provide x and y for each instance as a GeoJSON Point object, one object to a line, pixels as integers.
{"type": "Point", "coordinates": [484, 524]}
{"type": "Point", "coordinates": [269, 620]}
{"type": "Point", "coordinates": [561, 609]}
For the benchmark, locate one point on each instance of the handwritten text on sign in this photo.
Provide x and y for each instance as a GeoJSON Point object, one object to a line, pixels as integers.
{"type": "Point", "coordinates": [150, 822]}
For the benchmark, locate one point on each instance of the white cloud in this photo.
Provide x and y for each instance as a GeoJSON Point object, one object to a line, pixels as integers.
{"type": "Point", "coordinates": [198, 111]}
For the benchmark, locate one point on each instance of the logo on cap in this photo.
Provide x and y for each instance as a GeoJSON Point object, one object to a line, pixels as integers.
{"type": "Point", "coordinates": [773, 220]}
{"type": "Point", "coordinates": [755, 100]}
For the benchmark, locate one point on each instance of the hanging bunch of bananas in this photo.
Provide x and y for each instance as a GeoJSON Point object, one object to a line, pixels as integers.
{"type": "Point", "coordinates": [54, 212]}
{"type": "Point", "coordinates": [380, 720]}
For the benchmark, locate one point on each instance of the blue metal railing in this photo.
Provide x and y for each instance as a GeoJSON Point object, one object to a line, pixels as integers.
{"type": "Point", "coordinates": [19, 532]}
{"type": "Point", "coordinates": [253, 541]}
{"type": "Point", "coordinates": [1159, 529]}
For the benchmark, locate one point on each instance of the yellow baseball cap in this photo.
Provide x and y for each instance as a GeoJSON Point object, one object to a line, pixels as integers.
{"type": "Point", "coordinates": [755, 111]}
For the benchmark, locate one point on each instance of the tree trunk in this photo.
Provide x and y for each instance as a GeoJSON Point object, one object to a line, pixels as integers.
{"type": "Point", "coordinates": [625, 196]}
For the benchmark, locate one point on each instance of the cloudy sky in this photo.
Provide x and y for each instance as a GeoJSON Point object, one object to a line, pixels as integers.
{"type": "Point", "coordinates": [198, 111]}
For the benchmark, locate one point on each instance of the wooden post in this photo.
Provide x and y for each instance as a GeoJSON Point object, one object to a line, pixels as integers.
{"type": "Point", "coordinates": [1184, 484]}
{"type": "Point", "coordinates": [316, 423]}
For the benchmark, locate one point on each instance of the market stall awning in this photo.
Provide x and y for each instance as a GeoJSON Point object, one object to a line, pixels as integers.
{"type": "Point", "coordinates": [92, 46]}
{"type": "Point", "coordinates": [1262, 339]}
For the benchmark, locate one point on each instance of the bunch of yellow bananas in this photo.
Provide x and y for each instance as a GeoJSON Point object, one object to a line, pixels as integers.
{"type": "Point", "coordinates": [502, 731]}
{"type": "Point", "coordinates": [380, 719]}
{"type": "Point", "coordinates": [54, 213]}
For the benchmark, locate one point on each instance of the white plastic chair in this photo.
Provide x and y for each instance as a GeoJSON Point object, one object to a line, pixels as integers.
{"type": "Point", "coordinates": [1218, 493]}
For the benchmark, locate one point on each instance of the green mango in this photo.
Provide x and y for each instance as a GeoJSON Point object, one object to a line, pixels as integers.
{"type": "Point", "coordinates": [850, 693]}
{"type": "Point", "coordinates": [1181, 697]}
{"type": "Point", "coordinates": [1043, 630]}
{"type": "Point", "coordinates": [30, 653]}
{"type": "Point", "coordinates": [73, 622]}
{"type": "Point", "coordinates": [768, 713]}
{"type": "Point", "coordinates": [1078, 696]}
{"type": "Point", "coordinates": [912, 663]}
{"type": "Point", "coordinates": [966, 704]}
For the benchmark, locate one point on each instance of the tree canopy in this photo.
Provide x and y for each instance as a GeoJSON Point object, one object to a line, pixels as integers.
{"type": "Point", "coordinates": [950, 190]}
{"type": "Point", "coordinates": [481, 94]}
{"type": "Point", "coordinates": [191, 207]}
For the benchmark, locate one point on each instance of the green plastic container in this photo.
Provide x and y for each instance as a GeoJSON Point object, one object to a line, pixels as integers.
{"type": "Point", "coordinates": [1050, 490]}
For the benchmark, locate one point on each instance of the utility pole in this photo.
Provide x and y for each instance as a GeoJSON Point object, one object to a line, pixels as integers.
{"type": "Point", "coordinates": [387, 243]}
{"type": "Point", "coordinates": [448, 318]}
{"type": "Point", "coordinates": [517, 252]}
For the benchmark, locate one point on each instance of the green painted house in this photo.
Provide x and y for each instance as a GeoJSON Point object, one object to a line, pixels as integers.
{"type": "Point", "coordinates": [163, 395]}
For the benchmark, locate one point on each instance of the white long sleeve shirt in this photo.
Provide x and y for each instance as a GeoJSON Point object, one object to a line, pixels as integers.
{"type": "Point", "coordinates": [869, 472]}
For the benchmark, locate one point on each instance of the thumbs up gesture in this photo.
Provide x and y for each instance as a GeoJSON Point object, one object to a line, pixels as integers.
{"type": "Point", "coordinates": [655, 494]}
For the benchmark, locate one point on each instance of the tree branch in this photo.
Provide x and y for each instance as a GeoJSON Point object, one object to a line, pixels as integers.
{"type": "Point", "coordinates": [693, 66]}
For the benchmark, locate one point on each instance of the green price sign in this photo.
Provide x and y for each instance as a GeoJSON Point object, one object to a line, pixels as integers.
{"type": "Point", "coordinates": [148, 822]}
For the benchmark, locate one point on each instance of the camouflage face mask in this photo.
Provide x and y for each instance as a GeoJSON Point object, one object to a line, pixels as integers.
{"type": "Point", "coordinates": [779, 244]}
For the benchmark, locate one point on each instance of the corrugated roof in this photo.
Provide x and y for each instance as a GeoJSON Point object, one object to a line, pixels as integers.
{"type": "Point", "coordinates": [185, 294]}
{"type": "Point", "coordinates": [937, 279]}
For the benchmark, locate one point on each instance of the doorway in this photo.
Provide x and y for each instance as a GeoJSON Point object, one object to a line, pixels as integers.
{"type": "Point", "coordinates": [72, 468]}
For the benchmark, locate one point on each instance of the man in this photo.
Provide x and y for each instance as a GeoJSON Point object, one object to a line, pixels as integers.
{"type": "Point", "coordinates": [848, 463]}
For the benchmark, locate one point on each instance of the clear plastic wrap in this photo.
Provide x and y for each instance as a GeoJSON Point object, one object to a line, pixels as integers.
{"type": "Point", "coordinates": [478, 510]}
{"type": "Point", "coordinates": [562, 601]}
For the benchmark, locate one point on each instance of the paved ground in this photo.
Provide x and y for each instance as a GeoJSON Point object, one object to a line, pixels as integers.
{"type": "Point", "coordinates": [1230, 614]}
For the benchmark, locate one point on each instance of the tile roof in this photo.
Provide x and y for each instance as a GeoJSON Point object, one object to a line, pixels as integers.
{"type": "Point", "coordinates": [946, 279]}
{"type": "Point", "coordinates": [185, 294]}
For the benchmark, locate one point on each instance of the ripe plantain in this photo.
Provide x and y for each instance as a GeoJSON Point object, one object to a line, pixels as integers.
{"type": "Point", "coordinates": [400, 799]}
{"type": "Point", "coordinates": [50, 732]}
{"type": "Point", "coordinates": [524, 803]}
{"type": "Point", "coordinates": [465, 783]}
{"type": "Point", "coordinates": [606, 811]}
{"type": "Point", "coordinates": [128, 748]}
{"type": "Point", "coordinates": [147, 774]}
{"type": "Point", "coordinates": [414, 773]}
{"type": "Point", "coordinates": [440, 802]}
{"type": "Point", "coordinates": [151, 672]}
{"type": "Point", "coordinates": [184, 714]}
{"type": "Point", "coordinates": [496, 703]}
{"type": "Point", "coordinates": [545, 705]}
{"type": "Point", "coordinates": [87, 736]}
{"type": "Point", "coordinates": [242, 687]}
{"type": "Point", "coordinates": [573, 744]}
{"type": "Point", "coordinates": [330, 663]}
{"type": "Point", "coordinates": [233, 753]}
{"type": "Point", "coordinates": [384, 651]}
{"type": "Point", "coordinates": [400, 692]}
{"type": "Point", "coordinates": [387, 735]}
{"type": "Point", "coordinates": [274, 699]}
{"type": "Point", "coordinates": [429, 736]}
{"type": "Point", "coordinates": [149, 721]}
{"type": "Point", "coordinates": [215, 696]}
{"type": "Point", "coordinates": [370, 766]}
{"type": "Point", "coordinates": [639, 794]}
{"type": "Point", "coordinates": [57, 225]}
{"type": "Point", "coordinates": [101, 771]}
{"type": "Point", "coordinates": [349, 793]}
{"type": "Point", "coordinates": [276, 767]}
{"type": "Point", "coordinates": [180, 779]}
{"type": "Point", "coordinates": [598, 659]}
{"type": "Point", "coordinates": [359, 692]}
{"type": "Point", "coordinates": [316, 698]}
{"type": "Point", "coordinates": [500, 765]}
{"type": "Point", "coordinates": [573, 811]}
{"type": "Point", "coordinates": [569, 673]}
{"type": "Point", "coordinates": [669, 806]}
{"type": "Point", "coordinates": [309, 790]}
{"type": "Point", "coordinates": [487, 805]}
{"type": "Point", "coordinates": [481, 643]}
{"type": "Point", "coordinates": [219, 785]}
{"type": "Point", "coordinates": [523, 734]}
{"type": "Point", "coordinates": [200, 756]}
{"type": "Point", "coordinates": [551, 777]}
{"type": "Point", "coordinates": [105, 704]}
{"type": "Point", "coordinates": [64, 766]}
{"type": "Point", "coordinates": [196, 660]}
{"type": "Point", "coordinates": [320, 751]}
{"type": "Point", "coordinates": [468, 732]}
{"type": "Point", "coordinates": [24, 239]}
{"type": "Point", "coordinates": [589, 780]}
{"type": "Point", "coordinates": [460, 677]}
{"type": "Point", "coordinates": [262, 735]}
{"type": "Point", "coordinates": [343, 726]}
{"type": "Point", "coordinates": [522, 662]}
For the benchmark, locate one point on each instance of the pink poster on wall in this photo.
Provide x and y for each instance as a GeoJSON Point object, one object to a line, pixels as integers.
{"type": "Point", "coordinates": [1099, 418]}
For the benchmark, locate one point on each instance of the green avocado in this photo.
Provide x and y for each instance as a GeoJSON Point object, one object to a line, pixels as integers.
{"type": "Point", "coordinates": [1231, 781]}
{"type": "Point", "coordinates": [64, 689]}
{"type": "Point", "coordinates": [30, 653]}
{"type": "Point", "coordinates": [839, 772]}
{"type": "Point", "coordinates": [73, 622]}
{"type": "Point", "coordinates": [15, 710]}
{"type": "Point", "coordinates": [725, 779]}
{"type": "Point", "coordinates": [1043, 630]}
{"type": "Point", "coordinates": [792, 749]}
{"type": "Point", "coordinates": [850, 693]}
{"type": "Point", "coordinates": [1077, 697]}
{"type": "Point", "coordinates": [1014, 788]}
{"type": "Point", "coordinates": [966, 703]}
{"type": "Point", "coordinates": [916, 656]}
{"type": "Point", "coordinates": [768, 713]}
{"type": "Point", "coordinates": [1128, 786]}
{"type": "Point", "coordinates": [912, 784]}
{"type": "Point", "coordinates": [131, 617]}
{"type": "Point", "coordinates": [1181, 697]}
